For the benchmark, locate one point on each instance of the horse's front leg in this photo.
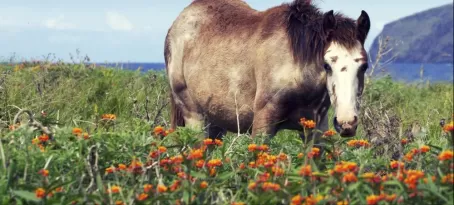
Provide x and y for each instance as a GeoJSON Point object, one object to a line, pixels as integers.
{"type": "Point", "coordinates": [265, 122]}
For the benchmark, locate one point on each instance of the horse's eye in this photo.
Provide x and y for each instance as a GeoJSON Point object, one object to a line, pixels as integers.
{"type": "Point", "coordinates": [327, 67]}
{"type": "Point", "coordinates": [364, 67]}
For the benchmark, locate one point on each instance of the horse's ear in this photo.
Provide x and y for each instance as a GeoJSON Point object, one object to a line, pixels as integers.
{"type": "Point", "coordinates": [363, 26]}
{"type": "Point", "coordinates": [329, 23]}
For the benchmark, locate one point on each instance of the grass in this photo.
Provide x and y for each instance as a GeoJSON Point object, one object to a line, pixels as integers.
{"type": "Point", "coordinates": [401, 155]}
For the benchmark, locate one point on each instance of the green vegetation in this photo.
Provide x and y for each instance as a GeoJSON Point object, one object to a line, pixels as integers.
{"type": "Point", "coordinates": [130, 157]}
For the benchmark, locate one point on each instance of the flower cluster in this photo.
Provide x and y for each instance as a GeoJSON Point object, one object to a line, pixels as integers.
{"type": "Point", "coordinates": [358, 143]}
{"type": "Point", "coordinates": [409, 156]}
{"type": "Point", "coordinates": [108, 117]}
{"type": "Point", "coordinates": [79, 133]}
{"type": "Point", "coordinates": [310, 124]}
{"type": "Point", "coordinates": [161, 131]}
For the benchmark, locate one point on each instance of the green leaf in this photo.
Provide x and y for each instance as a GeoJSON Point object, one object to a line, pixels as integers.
{"type": "Point", "coordinates": [198, 174]}
{"type": "Point", "coordinates": [26, 195]}
{"type": "Point", "coordinates": [225, 175]}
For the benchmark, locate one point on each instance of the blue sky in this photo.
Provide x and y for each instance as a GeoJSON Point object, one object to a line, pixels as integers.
{"type": "Point", "coordinates": [120, 31]}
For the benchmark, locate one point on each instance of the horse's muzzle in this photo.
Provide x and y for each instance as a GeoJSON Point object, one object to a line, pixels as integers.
{"type": "Point", "coordinates": [346, 129]}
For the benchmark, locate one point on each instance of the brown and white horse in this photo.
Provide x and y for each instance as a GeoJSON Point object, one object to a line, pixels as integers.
{"type": "Point", "coordinates": [233, 68]}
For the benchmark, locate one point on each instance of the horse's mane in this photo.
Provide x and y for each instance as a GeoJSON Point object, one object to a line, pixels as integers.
{"type": "Point", "coordinates": [305, 30]}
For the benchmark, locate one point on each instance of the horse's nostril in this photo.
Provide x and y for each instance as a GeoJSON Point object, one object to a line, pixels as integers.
{"type": "Point", "coordinates": [354, 122]}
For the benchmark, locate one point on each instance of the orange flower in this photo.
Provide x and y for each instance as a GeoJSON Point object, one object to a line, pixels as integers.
{"type": "Point", "coordinates": [59, 189]}
{"type": "Point", "coordinates": [446, 155]}
{"type": "Point", "coordinates": [196, 154]}
{"type": "Point", "coordinates": [277, 171]}
{"type": "Point", "coordinates": [85, 135]}
{"type": "Point", "coordinates": [314, 153]}
{"type": "Point", "coordinates": [395, 164]}
{"type": "Point", "coordinates": [200, 163]}
{"type": "Point", "coordinates": [424, 148]}
{"type": "Point", "coordinates": [135, 166]}
{"type": "Point", "coordinates": [252, 185]}
{"type": "Point", "coordinates": [158, 130]}
{"type": "Point", "coordinates": [110, 170]}
{"type": "Point", "coordinates": [449, 127]}
{"type": "Point", "coordinates": [212, 142]}
{"type": "Point", "coordinates": [43, 138]}
{"type": "Point", "coordinates": [271, 186]}
{"type": "Point", "coordinates": [77, 131]}
{"type": "Point", "coordinates": [40, 193]}
{"type": "Point", "coordinates": [142, 197]}
{"type": "Point", "coordinates": [175, 185]}
{"type": "Point", "coordinates": [44, 172]}
{"type": "Point", "coordinates": [329, 133]}
{"type": "Point", "coordinates": [114, 189]}
{"type": "Point", "coordinates": [312, 200]}
{"type": "Point", "coordinates": [282, 156]}
{"type": "Point", "coordinates": [121, 167]}
{"type": "Point", "coordinates": [238, 203]}
{"type": "Point", "coordinates": [310, 124]}
{"type": "Point", "coordinates": [358, 143]}
{"type": "Point", "coordinates": [252, 147]}
{"type": "Point", "coordinates": [177, 159]}
{"type": "Point", "coordinates": [349, 177]}
{"type": "Point", "coordinates": [109, 117]}
{"type": "Point", "coordinates": [404, 141]}
{"type": "Point", "coordinates": [212, 171]}
{"type": "Point", "coordinates": [409, 156]}
{"type": "Point", "coordinates": [449, 178]}
{"type": "Point", "coordinates": [203, 184]}
{"type": "Point", "coordinates": [306, 170]}
{"type": "Point", "coordinates": [214, 163]}
{"type": "Point", "coordinates": [263, 148]}
{"type": "Point", "coordinates": [372, 199]}
{"type": "Point", "coordinates": [297, 200]}
{"type": "Point", "coordinates": [300, 155]}
{"type": "Point", "coordinates": [412, 177]}
{"type": "Point", "coordinates": [162, 149]}
{"type": "Point", "coordinates": [390, 197]}
{"type": "Point", "coordinates": [162, 188]}
{"type": "Point", "coordinates": [147, 188]}
{"type": "Point", "coordinates": [119, 202]}
{"type": "Point", "coordinates": [264, 177]}
{"type": "Point", "coordinates": [344, 202]}
{"type": "Point", "coordinates": [345, 167]}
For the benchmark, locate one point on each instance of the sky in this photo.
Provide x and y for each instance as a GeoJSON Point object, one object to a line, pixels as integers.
{"type": "Point", "coordinates": [134, 31]}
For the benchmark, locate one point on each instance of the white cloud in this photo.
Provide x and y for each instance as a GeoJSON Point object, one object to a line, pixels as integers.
{"type": "Point", "coordinates": [58, 23]}
{"type": "Point", "coordinates": [117, 21]}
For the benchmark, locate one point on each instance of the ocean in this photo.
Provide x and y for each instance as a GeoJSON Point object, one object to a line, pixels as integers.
{"type": "Point", "coordinates": [397, 71]}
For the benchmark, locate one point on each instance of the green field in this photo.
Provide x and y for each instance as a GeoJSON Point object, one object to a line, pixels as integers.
{"type": "Point", "coordinates": [126, 159]}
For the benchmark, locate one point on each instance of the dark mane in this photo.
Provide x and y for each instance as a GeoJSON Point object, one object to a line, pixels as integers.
{"type": "Point", "coordinates": [305, 30]}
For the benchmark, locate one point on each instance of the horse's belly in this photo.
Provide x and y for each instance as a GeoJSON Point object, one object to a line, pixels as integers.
{"type": "Point", "coordinates": [222, 107]}
{"type": "Point", "coordinates": [230, 116]}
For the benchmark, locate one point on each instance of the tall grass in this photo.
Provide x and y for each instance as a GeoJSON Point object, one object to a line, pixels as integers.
{"type": "Point", "coordinates": [83, 165]}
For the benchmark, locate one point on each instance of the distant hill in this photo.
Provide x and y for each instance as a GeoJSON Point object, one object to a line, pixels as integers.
{"type": "Point", "coordinates": [425, 37]}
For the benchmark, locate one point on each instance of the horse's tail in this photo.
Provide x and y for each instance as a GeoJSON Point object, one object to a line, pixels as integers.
{"type": "Point", "coordinates": [176, 116]}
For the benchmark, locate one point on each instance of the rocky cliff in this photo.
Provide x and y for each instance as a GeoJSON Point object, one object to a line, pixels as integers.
{"type": "Point", "coordinates": [425, 37]}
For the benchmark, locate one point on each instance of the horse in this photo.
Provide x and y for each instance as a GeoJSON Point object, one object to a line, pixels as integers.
{"type": "Point", "coordinates": [233, 68]}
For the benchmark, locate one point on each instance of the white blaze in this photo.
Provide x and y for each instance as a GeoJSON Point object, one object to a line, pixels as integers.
{"type": "Point", "coordinates": [343, 81]}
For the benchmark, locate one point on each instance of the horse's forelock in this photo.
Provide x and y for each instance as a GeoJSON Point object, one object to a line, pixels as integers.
{"type": "Point", "coordinates": [305, 30]}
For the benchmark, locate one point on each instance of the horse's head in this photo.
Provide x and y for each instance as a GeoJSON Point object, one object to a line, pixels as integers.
{"type": "Point", "coordinates": [345, 63]}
